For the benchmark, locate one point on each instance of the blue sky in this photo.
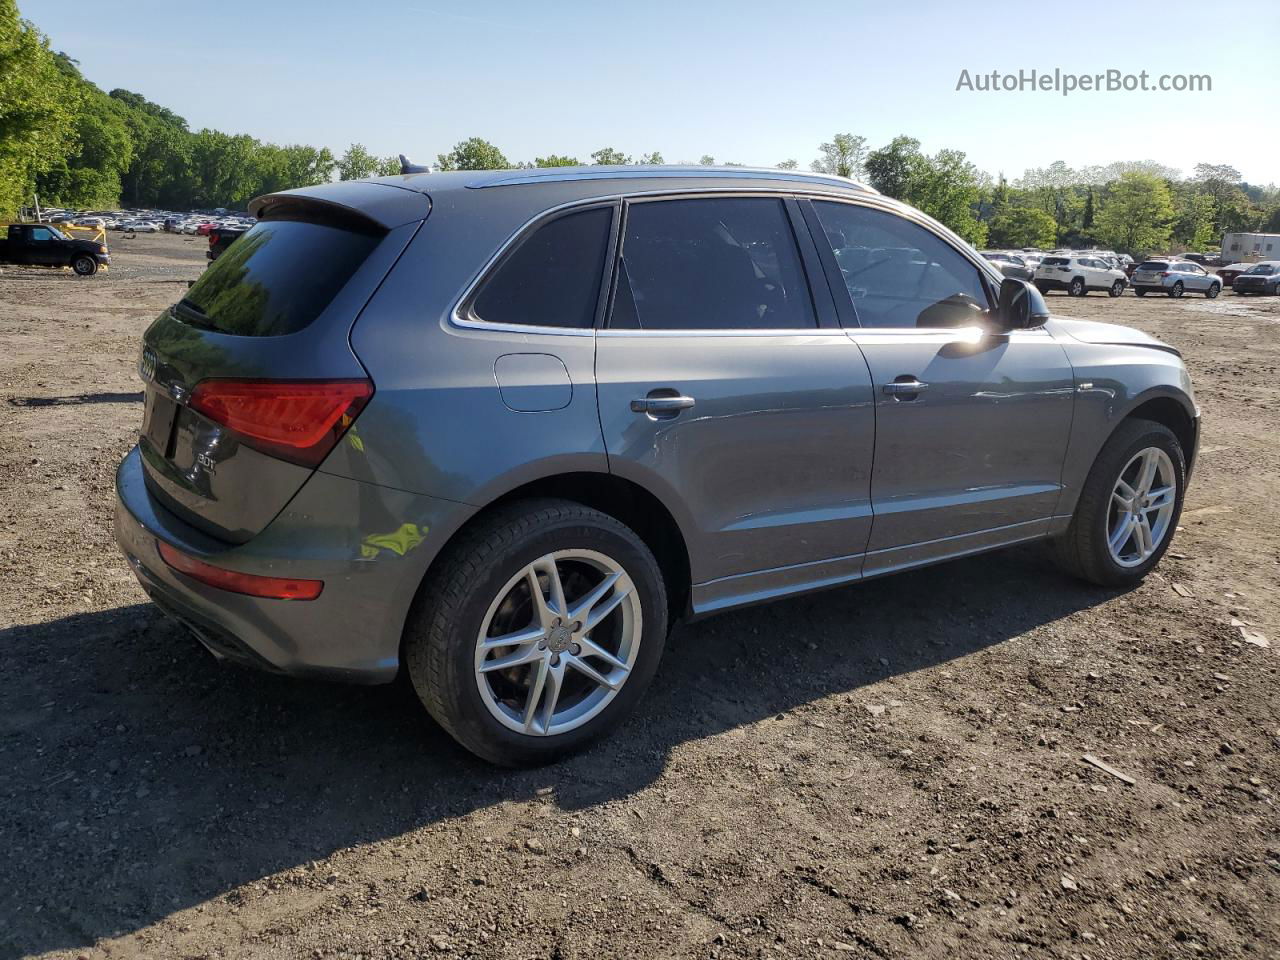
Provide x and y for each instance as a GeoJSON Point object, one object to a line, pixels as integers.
{"type": "Point", "coordinates": [744, 81]}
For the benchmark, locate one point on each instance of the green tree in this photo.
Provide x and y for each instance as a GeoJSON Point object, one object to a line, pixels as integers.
{"type": "Point", "coordinates": [843, 156]}
{"type": "Point", "coordinates": [609, 156]}
{"type": "Point", "coordinates": [1022, 227]}
{"type": "Point", "coordinates": [357, 163]}
{"type": "Point", "coordinates": [1136, 214]}
{"type": "Point", "coordinates": [894, 167]}
{"type": "Point", "coordinates": [557, 160]}
{"type": "Point", "coordinates": [707, 160]}
{"type": "Point", "coordinates": [788, 165]}
{"type": "Point", "coordinates": [651, 159]}
{"type": "Point", "coordinates": [473, 154]}
{"type": "Point", "coordinates": [38, 107]}
{"type": "Point", "coordinates": [89, 174]}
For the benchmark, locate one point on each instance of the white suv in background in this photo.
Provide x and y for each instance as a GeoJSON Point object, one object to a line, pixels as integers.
{"type": "Point", "coordinates": [1078, 275]}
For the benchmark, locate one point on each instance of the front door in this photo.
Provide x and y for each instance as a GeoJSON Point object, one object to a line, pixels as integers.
{"type": "Point", "coordinates": [720, 391]}
{"type": "Point", "coordinates": [971, 427]}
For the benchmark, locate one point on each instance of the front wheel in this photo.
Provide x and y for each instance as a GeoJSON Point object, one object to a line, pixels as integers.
{"type": "Point", "coordinates": [1177, 289]}
{"type": "Point", "coordinates": [84, 265]}
{"type": "Point", "coordinates": [1117, 288]}
{"type": "Point", "coordinates": [1213, 291]}
{"type": "Point", "coordinates": [1129, 507]}
{"type": "Point", "coordinates": [538, 633]}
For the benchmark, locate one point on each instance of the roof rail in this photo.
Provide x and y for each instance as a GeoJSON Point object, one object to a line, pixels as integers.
{"type": "Point", "coordinates": [510, 178]}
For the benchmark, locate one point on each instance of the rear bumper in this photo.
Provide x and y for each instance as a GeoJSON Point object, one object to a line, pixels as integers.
{"type": "Point", "coordinates": [349, 534]}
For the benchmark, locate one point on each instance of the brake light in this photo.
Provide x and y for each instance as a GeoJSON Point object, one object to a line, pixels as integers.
{"type": "Point", "coordinates": [299, 420]}
{"type": "Point", "coordinates": [212, 239]}
{"type": "Point", "coordinates": [273, 588]}
{"type": "Point", "coordinates": [1164, 273]}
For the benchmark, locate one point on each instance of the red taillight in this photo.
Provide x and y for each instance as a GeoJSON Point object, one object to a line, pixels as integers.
{"type": "Point", "coordinates": [1164, 273]}
{"type": "Point", "coordinates": [273, 588]}
{"type": "Point", "coordinates": [212, 239]}
{"type": "Point", "coordinates": [295, 420]}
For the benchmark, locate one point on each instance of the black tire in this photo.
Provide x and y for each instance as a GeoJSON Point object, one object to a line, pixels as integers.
{"type": "Point", "coordinates": [1139, 291]}
{"type": "Point", "coordinates": [1077, 288]}
{"type": "Point", "coordinates": [1043, 288]}
{"type": "Point", "coordinates": [1082, 550]}
{"type": "Point", "coordinates": [1212, 292]}
{"type": "Point", "coordinates": [440, 637]}
{"type": "Point", "coordinates": [1117, 288]}
{"type": "Point", "coordinates": [1177, 289]}
{"type": "Point", "coordinates": [84, 265]}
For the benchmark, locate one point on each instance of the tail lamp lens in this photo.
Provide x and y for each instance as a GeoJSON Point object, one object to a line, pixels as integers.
{"type": "Point", "coordinates": [273, 588]}
{"type": "Point", "coordinates": [300, 421]}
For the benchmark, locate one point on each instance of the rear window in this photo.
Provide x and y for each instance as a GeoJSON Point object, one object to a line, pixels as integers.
{"type": "Point", "coordinates": [276, 278]}
{"type": "Point", "coordinates": [1056, 261]}
{"type": "Point", "coordinates": [552, 279]}
{"type": "Point", "coordinates": [1153, 265]}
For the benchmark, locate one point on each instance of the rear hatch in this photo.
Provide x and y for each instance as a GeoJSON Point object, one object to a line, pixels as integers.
{"type": "Point", "coordinates": [1151, 271]}
{"type": "Point", "coordinates": [250, 378]}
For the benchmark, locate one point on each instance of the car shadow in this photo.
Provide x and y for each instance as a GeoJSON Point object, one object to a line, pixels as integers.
{"type": "Point", "coordinates": [143, 778]}
{"type": "Point", "coordinates": [76, 399]}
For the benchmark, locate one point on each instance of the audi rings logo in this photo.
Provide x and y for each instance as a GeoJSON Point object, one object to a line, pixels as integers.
{"type": "Point", "coordinates": [147, 364]}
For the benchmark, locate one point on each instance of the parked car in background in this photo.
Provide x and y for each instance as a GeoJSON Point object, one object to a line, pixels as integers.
{"type": "Point", "coordinates": [220, 238]}
{"type": "Point", "coordinates": [1262, 277]}
{"type": "Point", "coordinates": [1231, 271]}
{"type": "Point", "coordinates": [1078, 275]}
{"type": "Point", "coordinates": [469, 427]}
{"type": "Point", "coordinates": [1175, 277]}
{"type": "Point", "coordinates": [1200, 258]}
{"type": "Point", "coordinates": [1010, 264]}
{"type": "Point", "coordinates": [44, 245]}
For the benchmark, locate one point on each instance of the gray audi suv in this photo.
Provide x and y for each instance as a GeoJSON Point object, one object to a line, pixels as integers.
{"type": "Point", "coordinates": [499, 430]}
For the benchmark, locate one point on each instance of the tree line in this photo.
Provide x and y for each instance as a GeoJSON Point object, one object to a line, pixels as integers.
{"type": "Point", "coordinates": [76, 146]}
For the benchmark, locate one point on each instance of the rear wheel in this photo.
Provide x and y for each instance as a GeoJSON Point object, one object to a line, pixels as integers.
{"type": "Point", "coordinates": [1139, 291]}
{"type": "Point", "coordinates": [1213, 291]}
{"type": "Point", "coordinates": [1177, 289]}
{"type": "Point", "coordinates": [1129, 506]}
{"type": "Point", "coordinates": [1043, 288]}
{"type": "Point", "coordinates": [538, 633]}
{"type": "Point", "coordinates": [1117, 288]}
{"type": "Point", "coordinates": [1077, 287]}
{"type": "Point", "coordinates": [84, 265]}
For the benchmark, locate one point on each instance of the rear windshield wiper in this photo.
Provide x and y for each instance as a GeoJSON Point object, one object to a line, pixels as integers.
{"type": "Point", "coordinates": [193, 314]}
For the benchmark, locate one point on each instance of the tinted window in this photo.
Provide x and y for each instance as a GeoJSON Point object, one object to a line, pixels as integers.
{"type": "Point", "coordinates": [41, 235]}
{"type": "Point", "coordinates": [898, 273]}
{"type": "Point", "coordinates": [552, 279]}
{"type": "Point", "coordinates": [718, 264]}
{"type": "Point", "coordinates": [1262, 269]}
{"type": "Point", "coordinates": [275, 278]}
{"type": "Point", "coordinates": [1055, 261]}
{"type": "Point", "coordinates": [1153, 265]}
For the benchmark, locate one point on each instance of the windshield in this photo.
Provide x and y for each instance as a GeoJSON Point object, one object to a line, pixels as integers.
{"type": "Point", "coordinates": [1264, 269]}
{"type": "Point", "coordinates": [275, 278]}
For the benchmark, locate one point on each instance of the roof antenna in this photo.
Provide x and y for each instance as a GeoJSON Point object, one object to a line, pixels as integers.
{"type": "Point", "coordinates": [407, 166]}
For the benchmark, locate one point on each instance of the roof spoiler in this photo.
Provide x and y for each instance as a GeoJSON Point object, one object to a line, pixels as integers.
{"type": "Point", "coordinates": [408, 166]}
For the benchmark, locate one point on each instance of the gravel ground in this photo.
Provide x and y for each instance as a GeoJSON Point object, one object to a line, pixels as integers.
{"type": "Point", "coordinates": [892, 770]}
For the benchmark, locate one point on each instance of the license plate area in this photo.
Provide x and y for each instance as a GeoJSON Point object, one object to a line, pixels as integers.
{"type": "Point", "coordinates": [158, 416]}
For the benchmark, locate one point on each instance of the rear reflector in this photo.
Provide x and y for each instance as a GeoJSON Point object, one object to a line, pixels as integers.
{"type": "Point", "coordinates": [295, 420]}
{"type": "Point", "coordinates": [274, 588]}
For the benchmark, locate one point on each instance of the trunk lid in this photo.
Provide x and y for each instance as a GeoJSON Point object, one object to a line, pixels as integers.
{"type": "Point", "coordinates": [276, 308]}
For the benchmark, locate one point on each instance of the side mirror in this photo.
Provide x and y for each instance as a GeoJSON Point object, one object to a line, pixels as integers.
{"type": "Point", "coordinates": [1021, 306]}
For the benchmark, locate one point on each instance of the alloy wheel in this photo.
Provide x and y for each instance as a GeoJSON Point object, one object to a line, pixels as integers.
{"type": "Point", "coordinates": [1142, 505]}
{"type": "Point", "coordinates": [558, 642]}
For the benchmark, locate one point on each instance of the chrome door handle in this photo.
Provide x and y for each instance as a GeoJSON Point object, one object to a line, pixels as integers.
{"type": "Point", "coordinates": [900, 387]}
{"type": "Point", "coordinates": [661, 406]}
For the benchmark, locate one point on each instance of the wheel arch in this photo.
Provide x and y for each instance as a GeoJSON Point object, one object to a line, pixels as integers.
{"type": "Point", "coordinates": [1171, 410]}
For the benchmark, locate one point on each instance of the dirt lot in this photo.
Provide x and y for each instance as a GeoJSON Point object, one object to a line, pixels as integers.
{"type": "Point", "coordinates": [892, 770]}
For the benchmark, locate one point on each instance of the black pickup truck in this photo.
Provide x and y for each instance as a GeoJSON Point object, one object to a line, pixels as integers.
{"type": "Point", "coordinates": [220, 238]}
{"type": "Point", "coordinates": [42, 245]}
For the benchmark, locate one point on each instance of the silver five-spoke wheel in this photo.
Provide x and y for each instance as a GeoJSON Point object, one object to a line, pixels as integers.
{"type": "Point", "coordinates": [1142, 505]}
{"type": "Point", "coordinates": [558, 642]}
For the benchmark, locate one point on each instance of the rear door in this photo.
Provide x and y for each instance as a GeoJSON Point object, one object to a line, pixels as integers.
{"type": "Point", "coordinates": [722, 392]}
{"type": "Point", "coordinates": [251, 373]}
{"type": "Point", "coordinates": [971, 427]}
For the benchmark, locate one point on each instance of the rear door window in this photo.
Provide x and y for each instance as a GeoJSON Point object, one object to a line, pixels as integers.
{"type": "Point", "coordinates": [276, 278]}
{"type": "Point", "coordinates": [552, 278]}
{"type": "Point", "coordinates": [898, 273]}
{"type": "Point", "coordinates": [725, 263]}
